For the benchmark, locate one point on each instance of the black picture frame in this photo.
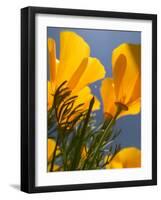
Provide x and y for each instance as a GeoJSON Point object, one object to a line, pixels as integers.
{"type": "Point", "coordinates": [28, 98]}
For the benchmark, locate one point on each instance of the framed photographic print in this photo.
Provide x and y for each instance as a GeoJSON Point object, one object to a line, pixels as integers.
{"type": "Point", "coordinates": [88, 99]}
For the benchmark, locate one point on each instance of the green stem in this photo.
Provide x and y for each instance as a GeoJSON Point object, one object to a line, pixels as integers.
{"type": "Point", "coordinates": [78, 149]}
{"type": "Point", "coordinates": [103, 136]}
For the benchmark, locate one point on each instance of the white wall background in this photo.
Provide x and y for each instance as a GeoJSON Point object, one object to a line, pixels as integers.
{"type": "Point", "coordinates": [10, 98]}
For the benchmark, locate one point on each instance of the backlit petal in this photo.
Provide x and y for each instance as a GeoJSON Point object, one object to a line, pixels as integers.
{"type": "Point", "coordinates": [51, 147]}
{"type": "Point", "coordinates": [119, 67]}
{"type": "Point", "coordinates": [108, 96]}
{"type": "Point", "coordinates": [129, 157]}
{"type": "Point", "coordinates": [97, 104]}
{"type": "Point", "coordinates": [50, 95]}
{"type": "Point", "coordinates": [115, 165]}
{"type": "Point", "coordinates": [84, 97]}
{"type": "Point", "coordinates": [134, 108]}
{"type": "Point", "coordinates": [136, 92]}
{"type": "Point", "coordinates": [73, 49]}
{"type": "Point", "coordinates": [88, 72]}
{"type": "Point", "coordinates": [126, 68]}
{"type": "Point", "coordinates": [52, 59]}
{"type": "Point", "coordinates": [72, 84]}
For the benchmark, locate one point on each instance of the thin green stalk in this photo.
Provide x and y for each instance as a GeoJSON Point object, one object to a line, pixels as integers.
{"type": "Point", "coordinates": [77, 151]}
{"type": "Point", "coordinates": [103, 136]}
{"type": "Point", "coordinates": [89, 154]}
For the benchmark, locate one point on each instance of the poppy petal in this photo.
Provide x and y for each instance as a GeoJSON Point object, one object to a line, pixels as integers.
{"type": "Point", "coordinates": [52, 59]}
{"type": "Point", "coordinates": [73, 49]}
{"type": "Point", "coordinates": [93, 70]}
{"type": "Point", "coordinates": [129, 157]}
{"type": "Point", "coordinates": [108, 96]}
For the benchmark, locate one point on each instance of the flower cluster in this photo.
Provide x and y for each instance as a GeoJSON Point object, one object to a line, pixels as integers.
{"type": "Point", "coordinates": [74, 140]}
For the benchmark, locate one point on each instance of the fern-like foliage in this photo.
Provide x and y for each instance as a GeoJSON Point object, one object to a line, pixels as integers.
{"type": "Point", "coordinates": [82, 144]}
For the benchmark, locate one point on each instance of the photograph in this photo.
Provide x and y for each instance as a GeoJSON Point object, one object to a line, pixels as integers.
{"type": "Point", "coordinates": [93, 99]}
